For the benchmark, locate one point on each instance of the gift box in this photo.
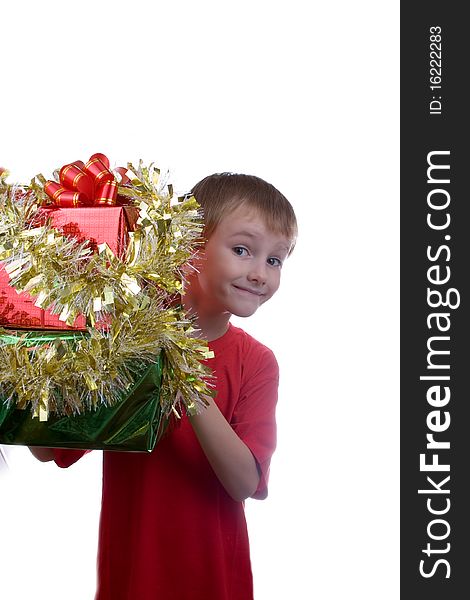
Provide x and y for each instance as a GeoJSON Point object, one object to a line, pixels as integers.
{"type": "Point", "coordinates": [118, 356]}
{"type": "Point", "coordinates": [98, 225]}
{"type": "Point", "coordinates": [133, 423]}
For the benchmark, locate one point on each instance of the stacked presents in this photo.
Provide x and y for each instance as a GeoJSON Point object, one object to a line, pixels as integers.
{"type": "Point", "coordinates": [95, 348]}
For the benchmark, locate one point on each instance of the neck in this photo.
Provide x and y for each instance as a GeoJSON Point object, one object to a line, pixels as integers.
{"type": "Point", "coordinates": [211, 325]}
{"type": "Point", "coordinates": [210, 329]}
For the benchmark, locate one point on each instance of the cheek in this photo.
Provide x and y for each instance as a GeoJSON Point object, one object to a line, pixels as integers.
{"type": "Point", "coordinates": [213, 276]}
{"type": "Point", "coordinates": [224, 268]}
{"type": "Point", "coordinates": [276, 282]}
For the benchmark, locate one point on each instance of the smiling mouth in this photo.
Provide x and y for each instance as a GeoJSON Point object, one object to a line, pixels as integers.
{"type": "Point", "coordinates": [248, 291]}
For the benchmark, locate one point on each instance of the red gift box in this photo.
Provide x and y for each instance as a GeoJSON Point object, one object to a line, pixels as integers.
{"type": "Point", "coordinates": [109, 224]}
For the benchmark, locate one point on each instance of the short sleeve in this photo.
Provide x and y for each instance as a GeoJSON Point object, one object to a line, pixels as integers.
{"type": "Point", "coordinates": [254, 417]}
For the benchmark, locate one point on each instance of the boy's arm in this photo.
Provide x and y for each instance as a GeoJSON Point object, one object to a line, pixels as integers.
{"type": "Point", "coordinates": [230, 458]}
{"type": "Point", "coordinates": [42, 454]}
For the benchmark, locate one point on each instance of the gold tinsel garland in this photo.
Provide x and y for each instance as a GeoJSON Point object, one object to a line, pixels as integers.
{"type": "Point", "coordinates": [133, 295]}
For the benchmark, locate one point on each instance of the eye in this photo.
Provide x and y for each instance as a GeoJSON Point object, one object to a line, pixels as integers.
{"type": "Point", "coordinates": [274, 262]}
{"type": "Point", "coordinates": [240, 251]}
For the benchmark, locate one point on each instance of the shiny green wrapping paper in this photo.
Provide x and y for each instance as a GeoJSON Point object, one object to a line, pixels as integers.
{"type": "Point", "coordinates": [133, 424]}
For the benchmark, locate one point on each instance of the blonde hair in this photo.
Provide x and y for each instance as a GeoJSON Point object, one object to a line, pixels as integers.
{"type": "Point", "coordinates": [221, 193]}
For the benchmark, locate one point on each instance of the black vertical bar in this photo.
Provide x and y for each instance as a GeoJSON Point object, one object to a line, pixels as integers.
{"type": "Point", "coordinates": [435, 271]}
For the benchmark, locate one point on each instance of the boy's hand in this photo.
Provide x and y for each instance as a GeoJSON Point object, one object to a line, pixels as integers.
{"type": "Point", "coordinates": [42, 454]}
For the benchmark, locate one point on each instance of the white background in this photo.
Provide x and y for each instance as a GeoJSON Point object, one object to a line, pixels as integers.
{"type": "Point", "coordinates": [305, 95]}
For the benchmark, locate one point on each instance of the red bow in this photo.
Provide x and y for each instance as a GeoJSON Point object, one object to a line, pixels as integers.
{"type": "Point", "coordinates": [90, 184]}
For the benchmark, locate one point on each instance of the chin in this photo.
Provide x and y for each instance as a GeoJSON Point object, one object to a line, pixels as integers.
{"type": "Point", "coordinates": [247, 312]}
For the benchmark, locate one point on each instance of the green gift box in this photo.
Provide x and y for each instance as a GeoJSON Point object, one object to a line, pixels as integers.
{"type": "Point", "coordinates": [134, 423]}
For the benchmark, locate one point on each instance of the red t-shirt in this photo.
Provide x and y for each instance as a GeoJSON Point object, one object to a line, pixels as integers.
{"type": "Point", "coordinates": [169, 530]}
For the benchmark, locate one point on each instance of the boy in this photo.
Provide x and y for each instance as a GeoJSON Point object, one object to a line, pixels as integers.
{"type": "Point", "coordinates": [172, 522]}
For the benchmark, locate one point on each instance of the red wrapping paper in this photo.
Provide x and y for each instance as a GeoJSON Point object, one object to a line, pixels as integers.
{"type": "Point", "coordinates": [109, 224]}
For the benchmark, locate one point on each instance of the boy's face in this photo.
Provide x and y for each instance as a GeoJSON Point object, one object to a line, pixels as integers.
{"type": "Point", "coordinates": [240, 265]}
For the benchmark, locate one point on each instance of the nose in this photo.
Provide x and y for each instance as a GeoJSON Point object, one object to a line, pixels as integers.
{"type": "Point", "coordinates": [258, 273]}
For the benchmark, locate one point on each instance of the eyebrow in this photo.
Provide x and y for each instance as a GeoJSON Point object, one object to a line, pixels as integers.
{"type": "Point", "coordinates": [247, 233]}
{"type": "Point", "coordinates": [251, 235]}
